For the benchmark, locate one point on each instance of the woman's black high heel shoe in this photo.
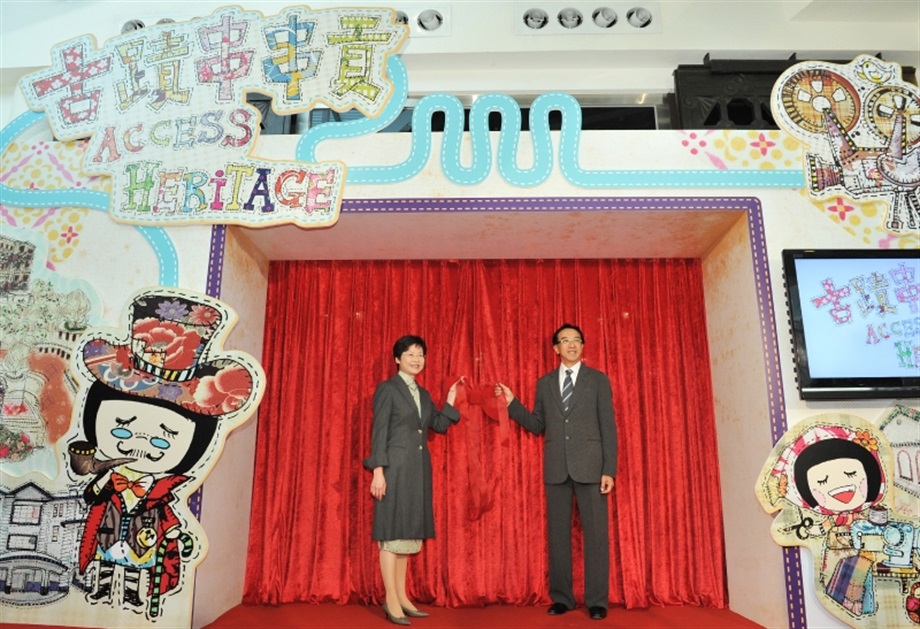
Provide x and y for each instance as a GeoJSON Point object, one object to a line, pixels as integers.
{"type": "Point", "coordinates": [402, 620]}
{"type": "Point", "coordinates": [415, 613]}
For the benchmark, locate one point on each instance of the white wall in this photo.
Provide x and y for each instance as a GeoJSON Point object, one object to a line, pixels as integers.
{"type": "Point", "coordinates": [739, 380]}
{"type": "Point", "coordinates": [227, 492]}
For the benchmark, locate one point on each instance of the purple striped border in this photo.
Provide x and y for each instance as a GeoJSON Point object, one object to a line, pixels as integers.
{"type": "Point", "coordinates": [216, 260]}
{"type": "Point", "coordinates": [546, 204]}
{"type": "Point", "coordinates": [215, 276]}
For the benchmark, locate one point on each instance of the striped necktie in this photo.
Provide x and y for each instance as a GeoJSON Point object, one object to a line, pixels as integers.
{"type": "Point", "coordinates": [567, 389]}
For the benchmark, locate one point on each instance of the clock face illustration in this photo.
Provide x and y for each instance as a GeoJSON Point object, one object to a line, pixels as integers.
{"type": "Point", "coordinates": [808, 94]}
{"type": "Point", "coordinates": [884, 104]}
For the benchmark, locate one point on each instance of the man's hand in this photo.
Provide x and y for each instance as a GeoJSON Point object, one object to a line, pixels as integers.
{"type": "Point", "coordinates": [502, 390]}
{"type": "Point", "coordinates": [606, 484]}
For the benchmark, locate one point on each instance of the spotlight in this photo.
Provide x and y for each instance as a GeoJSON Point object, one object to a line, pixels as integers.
{"type": "Point", "coordinates": [570, 18]}
{"type": "Point", "coordinates": [640, 17]}
{"type": "Point", "coordinates": [604, 17]}
{"type": "Point", "coordinates": [132, 25]}
{"type": "Point", "coordinates": [535, 18]}
{"type": "Point", "coordinates": [430, 20]}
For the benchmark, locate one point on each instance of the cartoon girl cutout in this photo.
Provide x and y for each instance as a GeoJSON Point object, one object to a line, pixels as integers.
{"type": "Point", "coordinates": [833, 471]}
{"type": "Point", "coordinates": [842, 477]}
{"type": "Point", "coordinates": [839, 477]}
{"type": "Point", "coordinates": [156, 412]}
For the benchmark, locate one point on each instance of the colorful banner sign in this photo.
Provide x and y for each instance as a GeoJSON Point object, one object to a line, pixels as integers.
{"type": "Point", "coordinates": [165, 110]}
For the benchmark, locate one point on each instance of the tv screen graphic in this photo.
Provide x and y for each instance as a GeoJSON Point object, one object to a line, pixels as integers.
{"type": "Point", "coordinates": [855, 318]}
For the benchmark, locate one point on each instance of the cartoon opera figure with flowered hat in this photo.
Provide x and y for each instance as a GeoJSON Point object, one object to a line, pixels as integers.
{"type": "Point", "coordinates": [154, 418]}
{"type": "Point", "coordinates": [827, 477]}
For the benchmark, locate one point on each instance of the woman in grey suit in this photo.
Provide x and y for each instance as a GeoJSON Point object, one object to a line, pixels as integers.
{"type": "Point", "coordinates": [401, 463]}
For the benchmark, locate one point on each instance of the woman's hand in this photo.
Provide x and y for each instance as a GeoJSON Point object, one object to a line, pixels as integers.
{"type": "Point", "coordinates": [452, 392]}
{"type": "Point", "coordinates": [378, 484]}
{"type": "Point", "coordinates": [501, 389]}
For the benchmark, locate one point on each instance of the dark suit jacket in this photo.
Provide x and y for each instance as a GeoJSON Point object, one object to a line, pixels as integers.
{"type": "Point", "coordinates": [399, 444]}
{"type": "Point", "coordinates": [582, 443]}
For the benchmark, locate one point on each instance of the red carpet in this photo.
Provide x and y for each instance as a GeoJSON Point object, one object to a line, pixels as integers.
{"type": "Point", "coordinates": [361, 617]}
{"type": "Point", "coordinates": [298, 615]}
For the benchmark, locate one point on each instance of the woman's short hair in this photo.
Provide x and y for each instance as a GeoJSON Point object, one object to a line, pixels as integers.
{"type": "Point", "coordinates": [405, 342]}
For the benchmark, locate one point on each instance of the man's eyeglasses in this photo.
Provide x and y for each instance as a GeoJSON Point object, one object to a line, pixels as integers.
{"type": "Point", "coordinates": [567, 341]}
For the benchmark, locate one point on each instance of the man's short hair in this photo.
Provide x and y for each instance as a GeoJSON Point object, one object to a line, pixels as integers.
{"type": "Point", "coordinates": [567, 326]}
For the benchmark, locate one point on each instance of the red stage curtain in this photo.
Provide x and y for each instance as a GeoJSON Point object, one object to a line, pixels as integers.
{"type": "Point", "coordinates": [330, 332]}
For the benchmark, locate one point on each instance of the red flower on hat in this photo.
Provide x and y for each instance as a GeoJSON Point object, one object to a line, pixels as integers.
{"type": "Point", "coordinates": [203, 315]}
{"type": "Point", "coordinates": [167, 344]}
{"type": "Point", "coordinates": [227, 389]}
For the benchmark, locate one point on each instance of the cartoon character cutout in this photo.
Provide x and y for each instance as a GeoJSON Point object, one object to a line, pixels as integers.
{"type": "Point", "coordinates": [828, 480]}
{"type": "Point", "coordinates": [154, 417]}
{"type": "Point", "coordinates": [860, 122]}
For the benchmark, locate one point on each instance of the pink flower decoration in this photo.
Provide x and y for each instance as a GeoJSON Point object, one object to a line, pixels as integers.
{"type": "Point", "coordinates": [763, 145]}
{"type": "Point", "coordinates": [840, 208]}
{"type": "Point", "coordinates": [694, 139]}
{"type": "Point", "coordinates": [203, 315]}
{"type": "Point", "coordinates": [227, 389]}
{"type": "Point", "coordinates": [69, 234]}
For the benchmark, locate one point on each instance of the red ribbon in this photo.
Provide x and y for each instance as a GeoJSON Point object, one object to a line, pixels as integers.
{"type": "Point", "coordinates": [483, 395]}
{"type": "Point", "coordinates": [469, 398]}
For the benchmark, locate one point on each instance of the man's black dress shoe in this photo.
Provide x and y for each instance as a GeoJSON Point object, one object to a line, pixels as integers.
{"type": "Point", "coordinates": [557, 609]}
{"type": "Point", "coordinates": [598, 613]}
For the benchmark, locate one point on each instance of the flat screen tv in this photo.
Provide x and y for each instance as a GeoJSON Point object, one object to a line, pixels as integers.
{"type": "Point", "coordinates": [855, 316]}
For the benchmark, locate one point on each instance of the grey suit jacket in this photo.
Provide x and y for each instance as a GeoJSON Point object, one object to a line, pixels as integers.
{"type": "Point", "coordinates": [399, 444]}
{"type": "Point", "coordinates": [581, 443]}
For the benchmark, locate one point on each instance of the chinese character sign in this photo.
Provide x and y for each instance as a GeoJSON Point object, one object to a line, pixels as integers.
{"type": "Point", "coordinates": [164, 109]}
{"type": "Point", "coordinates": [868, 310]}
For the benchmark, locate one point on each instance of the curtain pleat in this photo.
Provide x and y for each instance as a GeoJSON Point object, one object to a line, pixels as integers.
{"type": "Point", "coordinates": [329, 337]}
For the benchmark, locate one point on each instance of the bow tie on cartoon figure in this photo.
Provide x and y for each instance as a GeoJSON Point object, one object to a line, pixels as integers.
{"type": "Point", "coordinates": [138, 487]}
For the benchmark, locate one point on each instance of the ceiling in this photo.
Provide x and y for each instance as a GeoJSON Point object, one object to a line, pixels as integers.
{"type": "Point", "coordinates": [484, 47]}
{"type": "Point", "coordinates": [436, 234]}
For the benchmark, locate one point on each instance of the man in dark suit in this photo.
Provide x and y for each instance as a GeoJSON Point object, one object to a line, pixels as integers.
{"type": "Point", "coordinates": [574, 407]}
